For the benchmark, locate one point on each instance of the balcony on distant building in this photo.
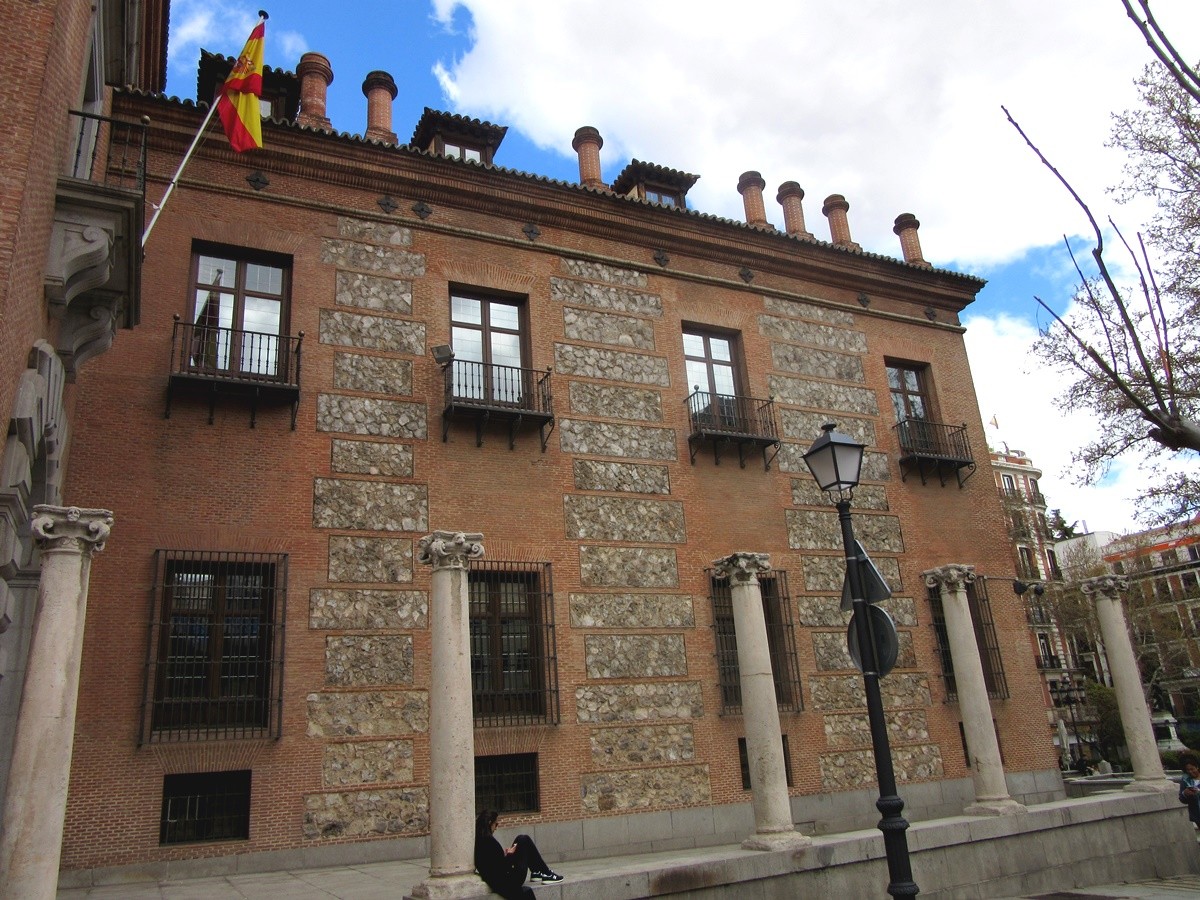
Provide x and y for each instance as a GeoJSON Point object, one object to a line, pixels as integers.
{"type": "Point", "coordinates": [510, 395]}
{"type": "Point", "coordinates": [213, 361]}
{"type": "Point", "coordinates": [934, 449]}
{"type": "Point", "coordinates": [727, 420]}
{"type": "Point", "coordinates": [94, 267]}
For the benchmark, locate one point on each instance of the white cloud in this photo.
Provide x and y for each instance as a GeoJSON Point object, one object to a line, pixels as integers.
{"type": "Point", "coordinates": [1014, 388]}
{"type": "Point", "coordinates": [896, 106]}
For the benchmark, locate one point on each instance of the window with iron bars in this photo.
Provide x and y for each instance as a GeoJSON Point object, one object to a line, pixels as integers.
{"type": "Point", "coordinates": [206, 806]}
{"type": "Point", "coordinates": [507, 784]}
{"type": "Point", "coordinates": [514, 663]}
{"type": "Point", "coordinates": [744, 761]}
{"type": "Point", "coordinates": [985, 640]}
{"type": "Point", "coordinates": [781, 642]}
{"type": "Point", "coordinates": [216, 646]}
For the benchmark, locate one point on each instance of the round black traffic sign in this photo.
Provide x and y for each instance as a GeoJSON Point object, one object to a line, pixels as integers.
{"type": "Point", "coordinates": [887, 643]}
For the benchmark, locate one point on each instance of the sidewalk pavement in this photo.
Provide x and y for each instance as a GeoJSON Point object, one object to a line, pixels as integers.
{"type": "Point", "coordinates": [391, 880]}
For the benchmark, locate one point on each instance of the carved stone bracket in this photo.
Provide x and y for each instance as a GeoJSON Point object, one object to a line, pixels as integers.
{"type": "Point", "coordinates": [743, 567]}
{"type": "Point", "coordinates": [953, 577]}
{"type": "Point", "coordinates": [71, 528]}
{"type": "Point", "coordinates": [449, 549]}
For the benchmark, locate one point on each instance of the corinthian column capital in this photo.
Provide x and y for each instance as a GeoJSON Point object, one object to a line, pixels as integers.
{"type": "Point", "coordinates": [449, 549]}
{"type": "Point", "coordinates": [70, 528]}
{"type": "Point", "coordinates": [743, 567]}
{"type": "Point", "coordinates": [954, 577]}
{"type": "Point", "coordinates": [1105, 585]}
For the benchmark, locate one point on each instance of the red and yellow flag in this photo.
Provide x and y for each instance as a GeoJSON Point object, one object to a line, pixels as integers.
{"type": "Point", "coordinates": [238, 104]}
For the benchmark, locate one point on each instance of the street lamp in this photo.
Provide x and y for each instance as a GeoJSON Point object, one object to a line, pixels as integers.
{"type": "Point", "coordinates": [835, 461]}
{"type": "Point", "coordinates": [1067, 697]}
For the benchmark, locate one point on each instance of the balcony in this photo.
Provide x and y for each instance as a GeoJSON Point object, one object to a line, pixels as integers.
{"type": "Point", "coordinates": [1049, 661]}
{"type": "Point", "coordinates": [211, 362]}
{"type": "Point", "coordinates": [94, 266]}
{"type": "Point", "coordinates": [512, 396]}
{"type": "Point", "coordinates": [931, 448]}
{"type": "Point", "coordinates": [726, 420]}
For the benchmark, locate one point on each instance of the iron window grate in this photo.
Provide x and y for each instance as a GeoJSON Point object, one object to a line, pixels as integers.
{"type": "Point", "coordinates": [214, 667]}
{"type": "Point", "coordinates": [507, 784]}
{"type": "Point", "coordinates": [514, 661]}
{"type": "Point", "coordinates": [207, 806]}
{"type": "Point", "coordinates": [985, 639]}
{"type": "Point", "coordinates": [781, 642]}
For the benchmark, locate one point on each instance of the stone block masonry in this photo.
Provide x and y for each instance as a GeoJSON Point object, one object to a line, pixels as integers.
{"type": "Point", "coordinates": [370, 505]}
{"type": "Point", "coordinates": [611, 365]}
{"type": "Point", "coordinates": [641, 745]}
{"type": "Point", "coordinates": [370, 813]}
{"type": "Point", "coordinates": [634, 655]}
{"type": "Point", "coordinates": [368, 714]}
{"type": "Point", "coordinates": [345, 329]}
{"type": "Point", "coordinates": [604, 328]}
{"type": "Point", "coordinates": [631, 611]}
{"type": "Point", "coordinates": [372, 292]}
{"type": "Point", "coordinates": [849, 769]}
{"type": "Point", "coordinates": [635, 567]}
{"type": "Point", "coordinates": [615, 402]}
{"type": "Point", "coordinates": [646, 702]}
{"type": "Point", "coordinates": [353, 763]}
{"type": "Point", "coordinates": [379, 375]}
{"type": "Point", "coordinates": [369, 416]}
{"type": "Point", "coordinates": [604, 439]}
{"type": "Point", "coordinates": [604, 296]}
{"type": "Point", "coordinates": [630, 478]}
{"type": "Point", "coordinates": [646, 789]}
{"type": "Point", "coordinates": [372, 458]}
{"type": "Point", "coordinates": [334, 609]}
{"type": "Point", "coordinates": [624, 519]}
{"type": "Point", "coordinates": [367, 660]}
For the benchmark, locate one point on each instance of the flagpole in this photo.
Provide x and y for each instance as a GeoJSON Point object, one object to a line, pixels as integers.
{"type": "Point", "coordinates": [212, 108]}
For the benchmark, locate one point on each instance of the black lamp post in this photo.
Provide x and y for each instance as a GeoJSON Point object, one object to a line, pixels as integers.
{"type": "Point", "coordinates": [1067, 697]}
{"type": "Point", "coordinates": [835, 461]}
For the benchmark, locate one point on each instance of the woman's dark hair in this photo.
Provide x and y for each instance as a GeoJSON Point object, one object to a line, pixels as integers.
{"type": "Point", "coordinates": [483, 823]}
{"type": "Point", "coordinates": [1185, 758]}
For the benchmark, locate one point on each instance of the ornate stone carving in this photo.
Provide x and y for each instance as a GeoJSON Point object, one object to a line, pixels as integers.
{"type": "Point", "coordinates": [954, 577]}
{"type": "Point", "coordinates": [1105, 585]}
{"type": "Point", "coordinates": [70, 528]}
{"type": "Point", "coordinates": [449, 549]}
{"type": "Point", "coordinates": [743, 567]}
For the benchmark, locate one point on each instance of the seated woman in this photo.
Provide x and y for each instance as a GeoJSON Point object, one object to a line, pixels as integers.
{"type": "Point", "coordinates": [504, 869]}
{"type": "Point", "coordinates": [1189, 786]}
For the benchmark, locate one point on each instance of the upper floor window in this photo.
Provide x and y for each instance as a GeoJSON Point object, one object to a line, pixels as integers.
{"type": "Point", "coordinates": [661, 196]}
{"type": "Point", "coordinates": [710, 360]}
{"type": "Point", "coordinates": [460, 151]}
{"type": "Point", "coordinates": [488, 337]}
{"type": "Point", "coordinates": [238, 311]}
{"type": "Point", "coordinates": [908, 386]}
{"type": "Point", "coordinates": [513, 656]}
{"type": "Point", "coordinates": [1010, 485]}
{"type": "Point", "coordinates": [1028, 564]}
{"type": "Point", "coordinates": [215, 661]}
{"type": "Point", "coordinates": [781, 642]}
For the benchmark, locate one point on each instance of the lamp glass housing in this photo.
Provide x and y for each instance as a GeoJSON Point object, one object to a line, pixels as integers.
{"type": "Point", "coordinates": [835, 460]}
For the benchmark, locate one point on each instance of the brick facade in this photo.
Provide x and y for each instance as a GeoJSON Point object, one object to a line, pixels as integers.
{"type": "Point", "coordinates": [627, 521]}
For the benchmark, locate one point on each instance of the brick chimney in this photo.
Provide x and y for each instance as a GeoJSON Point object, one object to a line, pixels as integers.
{"type": "Point", "coordinates": [789, 197]}
{"type": "Point", "coordinates": [316, 75]}
{"type": "Point", "coordinates": [835, 210]}
{"type": "Point", "coordinates": [587, 144]}
{"type": "Point", "coordinates": [910, 245]}
{"type": "Point", "coordinates": [380, 90]}
{"type": "Point", "coordinates": [750, 186]}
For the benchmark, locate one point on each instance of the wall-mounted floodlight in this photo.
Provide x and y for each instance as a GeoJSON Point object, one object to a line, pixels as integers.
{"type": "Point", "coordinates": [443, 355]}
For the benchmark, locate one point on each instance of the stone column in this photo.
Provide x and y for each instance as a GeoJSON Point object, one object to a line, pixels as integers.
{"type": "Point", "coordinates": [991, 791]}
{"type": "Point", "coordinates": [1148, 772]}
{"type": "Point", "coordinates": [451, 722]}
{"type": "Point", "coordinates": [36, 803]}
{"type": "Point", "coordinates": [773, 827]}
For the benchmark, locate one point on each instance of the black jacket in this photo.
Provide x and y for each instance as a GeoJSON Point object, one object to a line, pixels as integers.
{"type": "Point", "coordinates": [498, 870]}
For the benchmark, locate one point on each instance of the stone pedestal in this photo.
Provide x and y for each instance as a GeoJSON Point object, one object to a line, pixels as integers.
{"type": "Point", "coordinates": [36, 803]}
{"type": "Point", "coordinates": [451, 722]}
{"type": "Point", "coordinates": [991, 791]}
{"type": "Point", "coordinates": [773, 825]}
{"type": "Point", "coordinates": [1148, 772]}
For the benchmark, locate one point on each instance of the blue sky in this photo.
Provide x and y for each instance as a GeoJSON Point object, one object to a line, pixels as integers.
{"type": "Point", "coordinates": [895, 106]}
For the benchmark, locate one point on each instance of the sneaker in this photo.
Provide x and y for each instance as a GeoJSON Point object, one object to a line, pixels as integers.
{"type": "Point", "coordinates": [546, 876]}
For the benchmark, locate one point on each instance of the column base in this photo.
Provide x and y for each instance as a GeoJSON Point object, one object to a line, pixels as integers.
{"type": "Point", "coordinates": [1155, 785]}
{"type": "Point", "coordinates": [449, 887]}
{"type": "Point", "coordinates": [777, 840]}
{"type": "Point", "coordinates": [1000, 807]}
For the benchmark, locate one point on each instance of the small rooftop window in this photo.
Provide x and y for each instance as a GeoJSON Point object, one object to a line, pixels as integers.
{"type": "Point", "coordinates": [457, 137]}
{"type": "Point", "coordinates": [656, 184]}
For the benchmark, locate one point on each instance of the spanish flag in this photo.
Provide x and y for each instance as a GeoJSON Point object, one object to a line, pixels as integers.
{"type": "Point", "coordinates": [238, 104]}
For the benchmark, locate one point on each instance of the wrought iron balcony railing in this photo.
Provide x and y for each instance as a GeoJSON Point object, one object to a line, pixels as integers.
{"type": "Point", "coordinates": [509, 394]}
{"type": "Point", "coordinates": [934, 448]}
{"type": "Point", "coordinates": [110, 152]}
{"type": "Point", "coordinates": [1049, 662]}
{"type": "Point", "coordinates": [233, 361]}
{"type": "Point", "coordinates": [728, 418]}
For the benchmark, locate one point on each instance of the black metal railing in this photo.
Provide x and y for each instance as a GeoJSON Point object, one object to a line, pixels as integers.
{"type": "Point", "coordinates": [933, 440]}
{"type": "Point", "coordinates": [985, 640]}
{"type": "Point", "coordinates": [1048, 661]}
{"type": "Point", "coordinates": [490, 386]}
{"type": "Point", "coordinates": [731, 415]}
{"type": "Point", "coordinates": [1038, 615]}
{"type": "Point", "coordinates": [207, 351]}
{"type": "Point", "coordinates": [118, 162]}
{"type": "Point", "coordinates": [781, 642]}
{"type": "Point", "coordinates": [215, 663]}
